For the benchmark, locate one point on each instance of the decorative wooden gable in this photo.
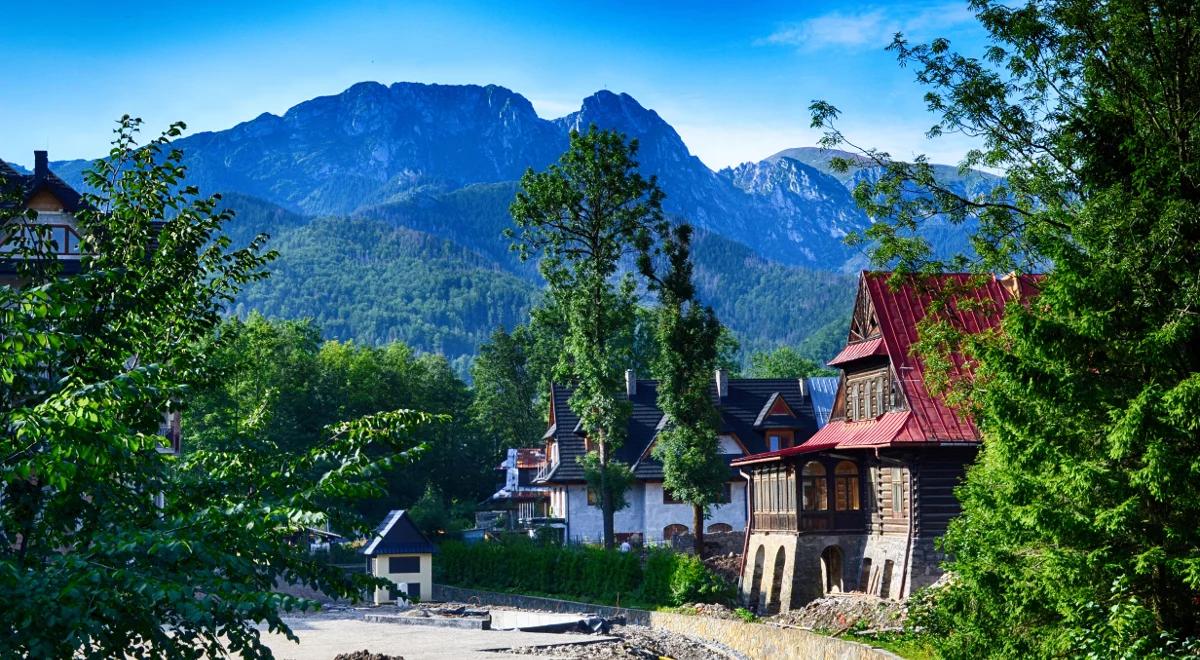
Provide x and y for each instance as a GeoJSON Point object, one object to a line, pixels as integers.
{"type": "Point", "coordinates": [864, 324]}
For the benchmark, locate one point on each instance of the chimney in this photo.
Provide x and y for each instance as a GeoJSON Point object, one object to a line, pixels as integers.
{"type": "Point", "coordinates": [804, 387]}
{"type": "Point", "coordinates": [630, 383]}
{"type": "Point", "coordinates": [722, 377]}
{"type": "Point", "coordinates": [41, 164]}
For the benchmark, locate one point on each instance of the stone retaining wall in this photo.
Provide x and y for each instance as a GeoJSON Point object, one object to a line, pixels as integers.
{"type": "Point", "coordinates": [763, 640]}
{"type": "Point", "coordinates": [754, 640]}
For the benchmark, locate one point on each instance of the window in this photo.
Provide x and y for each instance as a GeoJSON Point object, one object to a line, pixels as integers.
{"type": "Point", "coordinates": [860, 409]}
{"type": "Point", "coordinates": [720, 528]}
{"type": "Point", "coordinates": [897, 491]}
{"type": "Point", "coordinates": [850, 402]}
{"type": "Point", "coordinates": [816, 490]}
{"type": "Point", "coordinates": [671, 531]}
{"type": "Point", "coordinates": [408, 564]}
{"type": "Point", "coordinates": [873, 402]}
{"type": "Point", "coordinates": [726, 494]}
{"type": "Point", "coordinates": [845, 487]}
{"type": "Point", "coordinates": [774, 443]}
{"type": "Point", "coordinates": [669, 498]}
{"type": "Point", "coordinates": [413, 589]}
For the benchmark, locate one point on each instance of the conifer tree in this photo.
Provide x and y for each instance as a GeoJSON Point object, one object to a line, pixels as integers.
{"type": "Point", "coordinates": [689, 334]}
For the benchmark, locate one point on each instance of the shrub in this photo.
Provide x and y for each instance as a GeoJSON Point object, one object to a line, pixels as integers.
{"type": "Point", "coordinates": [693, 582]}
{"type": "Point", "coordinates": [520, 564]}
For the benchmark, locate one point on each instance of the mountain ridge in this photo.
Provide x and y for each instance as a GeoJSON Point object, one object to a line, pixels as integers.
{"type": "Point", "coordinates": [372, 144]}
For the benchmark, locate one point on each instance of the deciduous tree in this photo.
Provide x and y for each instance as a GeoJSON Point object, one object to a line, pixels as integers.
{"type": "Point", "coordinates": [783, 362]}
{"type": "Point", "coordinates": [109, 547]}
{"type": "Point", "coordinates": [584, 215]}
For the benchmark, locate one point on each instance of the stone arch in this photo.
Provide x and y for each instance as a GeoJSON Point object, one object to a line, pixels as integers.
{"type": "Point", "coordinates": [831, 569]}
{"type": "Point", "coordinates": [774, 600]}
{"type": "Point", "coordinates": [756, 576]}
{"type": "Point", "coordinates": [718, 528]}
{"type": "Point", "coordinates": [673, 530]}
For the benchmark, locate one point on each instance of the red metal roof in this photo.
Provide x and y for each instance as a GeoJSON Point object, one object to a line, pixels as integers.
{"type": "Point", "coordinates": [899, 310]}
{"type": "Point", "coordinates": [839, 434]}
{"type": "Point", "coordinates": [859, 350]}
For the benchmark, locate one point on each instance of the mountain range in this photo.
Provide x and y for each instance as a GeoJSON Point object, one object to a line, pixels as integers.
{"type": "Point", "coordinates": [387, 202]}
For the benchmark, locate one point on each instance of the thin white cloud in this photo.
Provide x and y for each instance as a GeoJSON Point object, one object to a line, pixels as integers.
{"type": "Point", "coordinates": [869, 28]}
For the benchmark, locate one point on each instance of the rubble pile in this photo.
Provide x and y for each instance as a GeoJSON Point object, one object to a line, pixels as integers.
{"type": "Point", "coordinates": [838, 613]}
{"type": "Point", "coordinates": [633, 643]}
{"type": "Point", "coordinates": [726, 565]}
{"type": "Point", "coordinates": [366, 655]}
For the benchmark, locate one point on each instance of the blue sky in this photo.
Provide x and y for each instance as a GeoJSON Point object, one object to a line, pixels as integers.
{"type": "Point", "coordinates": [734, 80]}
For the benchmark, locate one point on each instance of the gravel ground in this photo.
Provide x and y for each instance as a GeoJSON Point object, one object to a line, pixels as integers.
{"type": "Point", "coordinates": [635, 643]}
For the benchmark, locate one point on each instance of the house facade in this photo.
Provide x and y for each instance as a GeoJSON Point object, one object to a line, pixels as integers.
{"type": "Point", "coordinates": [858, 506]}
{"type": "Point", "coordinates": [520, 500]}
{"type": "Point", "coordinates": [55, 204]}
{"type": "Point", "coordinates": [756, 415]}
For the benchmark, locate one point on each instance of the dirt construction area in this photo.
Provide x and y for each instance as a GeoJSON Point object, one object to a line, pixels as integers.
{"type": "Point", "coordinates": [342, 632]}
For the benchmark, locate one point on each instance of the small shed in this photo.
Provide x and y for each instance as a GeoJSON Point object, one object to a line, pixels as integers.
{"type": "Point", "coordinates": [399, 552]}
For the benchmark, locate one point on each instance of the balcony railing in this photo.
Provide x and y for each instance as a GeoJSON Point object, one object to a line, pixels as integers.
{"type": "Point", "coordinates": [545, 470]}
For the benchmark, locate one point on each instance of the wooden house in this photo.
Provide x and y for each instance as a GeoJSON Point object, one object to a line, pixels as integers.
{"type": "Point", "coordinates": [56, 205]}
{"type": "Point", "coordinates": [858, 505]}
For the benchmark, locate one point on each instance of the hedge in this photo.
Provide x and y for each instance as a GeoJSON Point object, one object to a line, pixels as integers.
{"type": "Point", "coordinates": [661, 578]}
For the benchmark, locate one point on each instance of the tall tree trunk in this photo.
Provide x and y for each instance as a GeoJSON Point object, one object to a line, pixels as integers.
{"type": "Point", "coordinates": [606, 503]}
{"type": "Point", "coordinates": [698, 525]}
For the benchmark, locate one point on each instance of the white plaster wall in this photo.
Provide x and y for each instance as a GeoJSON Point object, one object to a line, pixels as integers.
{"type": "Point", "coordinates": [659, 515]}
{"type": "Point", "coordinates": [586, 522]}
{"type": "Point", "coordinates": [646, 513]}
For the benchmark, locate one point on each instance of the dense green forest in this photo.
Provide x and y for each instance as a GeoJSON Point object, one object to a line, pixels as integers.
{"type": "Point", "coordinates": [382, 276]}
{"type": "Point", "coordinates": [283, 382]}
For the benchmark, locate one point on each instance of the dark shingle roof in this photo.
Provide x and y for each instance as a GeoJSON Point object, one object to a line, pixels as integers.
{"type": "Point", "coordinates": [739, 410]}
{"type": "Point", "coordinates": [397, 534]}
{"type": "Point", "coordinates": [28, 185]}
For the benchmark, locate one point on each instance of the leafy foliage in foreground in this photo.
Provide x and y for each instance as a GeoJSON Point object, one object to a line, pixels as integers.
{"type": "Point", "coordinates": [662, 578]}
{"type": "Point", "coordinates": [89, 564]}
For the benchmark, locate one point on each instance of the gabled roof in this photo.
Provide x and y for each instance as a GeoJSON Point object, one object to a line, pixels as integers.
{"type": "Point", "coordinates": [397, 534]}
{"type": "Point", "coordinates": [740, 410]}
{"type": "Point", "coordinates": [28, 185]}
{"type": "Point", "coordinates": [898, 312]}
{"type": "Point", "coordinates": [767, 418]}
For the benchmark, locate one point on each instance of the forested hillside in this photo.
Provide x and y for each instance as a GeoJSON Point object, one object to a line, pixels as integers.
{"type": "Point", "coordinates": [397, 273]}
